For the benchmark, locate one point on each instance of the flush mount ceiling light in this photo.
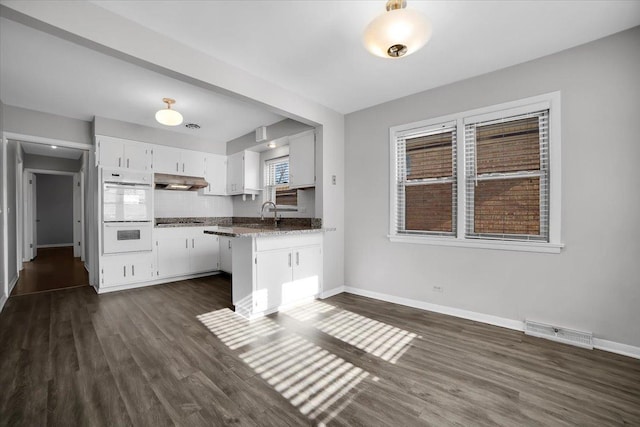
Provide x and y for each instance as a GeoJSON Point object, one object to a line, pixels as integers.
{"type": "Point", "coordinates": [271, 144]}
{"type": "Point", "coordinates": [397, 32]}
{"type": "Point", "coordinates": [167, 116]}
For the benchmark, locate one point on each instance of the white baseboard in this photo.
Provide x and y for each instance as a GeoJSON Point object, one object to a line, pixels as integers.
{"type": "Point", "coordinates": [517, 325]}
{"type": "Point", "coordinates": [616, 347]}
{"type": "Point", "coordinates": [332, 292]}
{"type": "Point", "coordinates": [5, 298]}
{"type": "Point", "coordinates": [12, 284]}
{"type": "Point", "coordinates": [55, 245]}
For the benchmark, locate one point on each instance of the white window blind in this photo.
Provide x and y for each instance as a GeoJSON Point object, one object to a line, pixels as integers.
{"type": "Point", "coordinates": [426, 182]}
{"type": "Point", "coordinates": [507, 178]}
{"type": "Point", "coordinates": [276, 178]}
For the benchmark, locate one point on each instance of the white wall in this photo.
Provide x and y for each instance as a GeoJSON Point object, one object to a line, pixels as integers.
{"type": "Point", "coordinates": [180, 204]}
{"type": "Point", "coordinates": [12, 261]}
{"type": "Point", "coordinates": [32, 161]}
{"type": "Point", "coordinates": [3, 291]}
{"type": "Point", "coordinates": [594, 283]}
{"type": "Point", "coordinates": [275, 131]}
{"type": "Point", "coordinates": [35, 123]}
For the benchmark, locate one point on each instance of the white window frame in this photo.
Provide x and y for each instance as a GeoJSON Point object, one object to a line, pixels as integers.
{"type": "Point", "coordinates": [269, 192]}
{"type": "Point", "coordinates": [550, 101]}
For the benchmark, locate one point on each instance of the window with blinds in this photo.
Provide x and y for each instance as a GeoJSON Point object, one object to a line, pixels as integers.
{"type": "Point", "coordinates": [505, 193]}
{"type": "Point", "coordinates": [426, 181]}
{"type": "Point", "coordinates": [507, 178]}
{"type": "Point", "coordinates": [276, 178]}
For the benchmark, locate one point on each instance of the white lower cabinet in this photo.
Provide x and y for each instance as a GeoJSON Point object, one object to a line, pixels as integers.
{"type": "Point", "coordinates": [204, 253]}
{"type": "Point", "coordinates": [172, 249]}
{"type": "Point", "coordinates": [225, 253]}
{"type": "Point", "coordinates": [182, 251]}
{"type": "Point", "coordinates": [286, 269]}
{"type": "Point", "coordinates": [126, 269]}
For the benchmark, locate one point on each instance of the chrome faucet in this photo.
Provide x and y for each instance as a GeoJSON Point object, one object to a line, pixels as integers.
{"type": "Point", "coordinates": [275, 212]}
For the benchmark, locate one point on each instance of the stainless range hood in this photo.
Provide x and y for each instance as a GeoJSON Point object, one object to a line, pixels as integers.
{"type": "Point", "coordinates": [165, 181]}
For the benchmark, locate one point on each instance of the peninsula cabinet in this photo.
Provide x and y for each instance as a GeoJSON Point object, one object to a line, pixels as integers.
{"type": "Point", "coordinates": [275, 271]}
{"type": "Point", "coordinates": [226, 253]}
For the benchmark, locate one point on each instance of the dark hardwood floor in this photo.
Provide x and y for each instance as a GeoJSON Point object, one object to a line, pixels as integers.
{"type": "Point", "coordinates": [175, 354]}
{"type": "Point", "coordinates": [53, 268]}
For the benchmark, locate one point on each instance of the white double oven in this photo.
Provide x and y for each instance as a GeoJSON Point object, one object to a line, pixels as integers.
{"type": "Point", "coordinates": [127, 211]}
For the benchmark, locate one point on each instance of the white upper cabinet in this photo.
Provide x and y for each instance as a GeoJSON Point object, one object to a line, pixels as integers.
{"type": "Point", "coordinates": [243, 173]}
{"type": "Point", "coordinates": [215, 174]}
{"type": "Point", "coordinates": [177, 161]}
{"type": "Point", "coordinates": [192, 163]}
{"type": "Point", "coordinates": [123, 153]}
{"type": "Point", "coordinates": [302, 160]}
{"type": "Point", "coordinates": [166, 159]}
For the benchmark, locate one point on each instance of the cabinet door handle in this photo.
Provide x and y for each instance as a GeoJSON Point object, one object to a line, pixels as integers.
{"type": "Point", "coordinates": [297, 258]}
{"type": "Point", "coordinates": [124, 270]}
{"type": "Point", "coordinates": [119, 161]}
{"type": "Point", "coordinates": [183, 167]}
{"type": "Point", "coordinates": [229, 244]}
{"type": "Point", "coordinates": [289, 259]}
{"type": "Point", "coordinates": [193, 243]}
{"type": "Point", "coordinates": [177, 167]}
{"type": "Point", "coordinates": [127, 163]}
{"type": "Point", "coordinates": [133, 270]}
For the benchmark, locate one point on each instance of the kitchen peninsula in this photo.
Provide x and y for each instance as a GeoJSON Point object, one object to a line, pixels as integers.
{"type": "Point", "coordinates": [272, 267]}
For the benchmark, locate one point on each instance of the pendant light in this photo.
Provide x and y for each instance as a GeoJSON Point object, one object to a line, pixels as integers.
{"type": "Point", "coordinates": [397, 32]}
{"type": "Point", "coordinates": [167, 116]}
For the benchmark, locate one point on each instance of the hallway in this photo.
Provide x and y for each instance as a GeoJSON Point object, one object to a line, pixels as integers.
{"type": "Point", "coordinates": [52, 269]}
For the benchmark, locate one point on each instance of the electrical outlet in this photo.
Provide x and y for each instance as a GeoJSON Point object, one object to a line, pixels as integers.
{"type": "Point", "coordinates": [438, 289]}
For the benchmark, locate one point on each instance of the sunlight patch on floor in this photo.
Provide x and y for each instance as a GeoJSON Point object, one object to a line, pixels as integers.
{"type": "Point", "coordinates": [377, 338]}
{"type": "Point", "coordinates": [314, 380]}
{"type": "Point", "coordinates": [308, 311]}
{"type": "Point", "coordinates": [236, 331]}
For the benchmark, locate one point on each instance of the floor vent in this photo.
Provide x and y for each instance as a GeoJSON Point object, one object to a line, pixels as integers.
{"type": "Point", "coordinates": [555, 333]}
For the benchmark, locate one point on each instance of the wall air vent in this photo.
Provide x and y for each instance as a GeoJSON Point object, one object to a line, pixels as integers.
{"type": "Point", "coordinates": [556, 333]}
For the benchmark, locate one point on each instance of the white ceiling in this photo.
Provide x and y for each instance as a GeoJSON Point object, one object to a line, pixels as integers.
{"type": "Point", "coordinates": [47, 150]}
{"type": "Point", "coordinates": [45, 73]}
{"type": "Point", "coordinates": [314, 48]}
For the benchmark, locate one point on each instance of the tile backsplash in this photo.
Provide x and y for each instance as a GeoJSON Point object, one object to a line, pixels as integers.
{"type": "Point", "coordinates": [169, 203]}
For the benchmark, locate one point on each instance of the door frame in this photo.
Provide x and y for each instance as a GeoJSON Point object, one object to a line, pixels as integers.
{"type": "Point", "coordinates": [19, 226]}
{"type": "Point", "coordinates": [78, 199]}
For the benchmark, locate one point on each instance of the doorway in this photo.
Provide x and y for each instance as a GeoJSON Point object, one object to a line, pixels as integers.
{"type": "Point", "coordinates": [51, 184]}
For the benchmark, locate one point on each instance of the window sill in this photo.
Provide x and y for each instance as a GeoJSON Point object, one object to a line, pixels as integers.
{"type": "Point", "coordinates": [553, 248]}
